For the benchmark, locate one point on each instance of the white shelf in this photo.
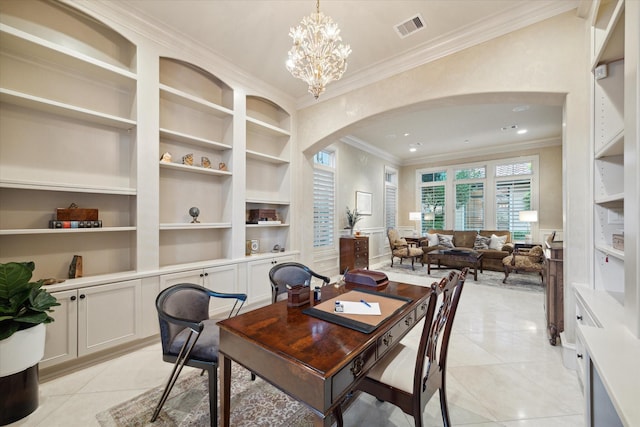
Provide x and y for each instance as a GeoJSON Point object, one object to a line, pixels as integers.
{"type": "Point", "coordinates": [23, 231]}
{"type": "Point", "coordinates": [194, 226]}
{"type": "Point", "coordinates": [611, 200]}
{"type": "Point", "coordinates": [194, 169]}
{"type": "Point", "coordinates": [52, 186]}
{"type": "Point", "coordinates": [49, 106]}
{"type": "Point", "coordinates": [615, 147]}
{"type": "Point", "coordinates": [188, 100]}
{"type": "Point", "coordinates": [266, 225]}
{"type": "Point", "coordinates": [268, 202]}
{"type": "Point", "coordinates": [20, 43]}
{"type": "Point", "coordinates": [265, 128]}
{"type": "Point", "coordinates": [193, 140]}
{"type": "Point", "coordinates": [266, 157]}
{"type": "Point", "coordinates": [609, 250]}
{"type": "Point", "coordinates": [609, 48]}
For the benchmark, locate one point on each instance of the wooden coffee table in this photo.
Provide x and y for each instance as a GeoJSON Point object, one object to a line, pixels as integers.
{"type": "Point", "coordinates": [467, 257]}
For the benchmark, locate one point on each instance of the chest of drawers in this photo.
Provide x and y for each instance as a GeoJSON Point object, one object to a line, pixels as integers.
{"type": "Point", "coordinates": [354, 252]}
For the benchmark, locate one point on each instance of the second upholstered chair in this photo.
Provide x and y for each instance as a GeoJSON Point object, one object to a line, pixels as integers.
{"type": "Point", "coordinates": [401, 249]}
{"type": "Point", "coordinates": [291, 273]}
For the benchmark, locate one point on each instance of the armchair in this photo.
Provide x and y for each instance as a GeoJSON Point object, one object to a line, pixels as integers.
{"type": "Point", "coordinates": [524, 260]}
{"type": "Point", "coordinates": [401, 249]}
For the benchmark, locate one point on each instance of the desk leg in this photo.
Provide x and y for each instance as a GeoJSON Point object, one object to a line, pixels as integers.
{"type": "Point", "coordinates": [225, 389]}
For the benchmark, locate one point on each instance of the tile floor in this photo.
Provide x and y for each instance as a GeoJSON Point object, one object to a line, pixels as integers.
{"type": "Point", "coordinates": [502, 372]}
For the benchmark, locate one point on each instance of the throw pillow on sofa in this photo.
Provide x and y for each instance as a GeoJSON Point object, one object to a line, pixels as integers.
{"type": "Point", "coordinates": [497, 242]}
{"type": "Point", "coordinates": [445, 241]}
{"type": "Point", "coordinates": [432, 239]}
{"type": "Point", "coordinates": [482, 242]}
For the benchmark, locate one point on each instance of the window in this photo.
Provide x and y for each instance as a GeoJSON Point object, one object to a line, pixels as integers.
{"type": "Point", "coordinates": [390, 198]}
{"type": "Point", "coordinates": [432, 203]}
{"type": "Point", "coordinates": [324, 199]}
{"type": "Point", "coordinates": [480, 196]}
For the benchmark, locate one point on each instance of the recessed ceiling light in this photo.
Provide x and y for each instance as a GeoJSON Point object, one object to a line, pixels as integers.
{"type": "Point", "coordinates": [522, 131]}
{"type": "Point", "coordinates": [520, 108]}
{"type": "Point", "coordinates": [466, 141]}
{"type": "Point", "coordinates": [413, 149]}
{"type": "Point", "coordinates": [407, 134]}
{"type": "Point", "coordinates": [511, 127]}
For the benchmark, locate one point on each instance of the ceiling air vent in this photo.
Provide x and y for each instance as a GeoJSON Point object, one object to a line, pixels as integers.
{"type": "Point", "coordinates": [410, 26]}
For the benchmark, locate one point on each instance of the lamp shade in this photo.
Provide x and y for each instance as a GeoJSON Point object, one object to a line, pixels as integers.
{"type": "Point", "coordinates": [528, 216]}
{"type": "Point", "coordinates": [414, 216]}
{"type": "Point", "coordinates": [429, 216]}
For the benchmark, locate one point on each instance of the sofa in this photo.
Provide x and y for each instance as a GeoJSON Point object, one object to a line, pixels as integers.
{"type": "Point", "coordinates": [481, 241]}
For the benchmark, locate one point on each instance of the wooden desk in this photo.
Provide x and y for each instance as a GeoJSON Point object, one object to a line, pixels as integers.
{"type": "Point", "coordinates": [313, 361]}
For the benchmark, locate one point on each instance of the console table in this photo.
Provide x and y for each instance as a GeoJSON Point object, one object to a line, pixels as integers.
{"type": "Point", "coordinates": [312, 360]}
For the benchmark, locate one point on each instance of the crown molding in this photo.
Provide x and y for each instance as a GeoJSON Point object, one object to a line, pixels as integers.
{"type": "Point", "coordinates": [368, 148]}
{"type": "Point", "coordinates": [507, 148]}
{"type": "Point", "coordinates": [511, 19]}
{"type": "Point", "coordinates": [140, 23]}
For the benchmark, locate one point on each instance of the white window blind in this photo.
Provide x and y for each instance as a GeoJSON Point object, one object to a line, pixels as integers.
{"type": "Point", "coordinates": [469, 206]}
{"type": "Point", "coordinates": [432, 199]}
{"type": "Point", "coordinates": [390, 205]}
{"type": "Point", "coordinates": [323, 207]}
{"type": "Point", "coordinates": [513, 196]}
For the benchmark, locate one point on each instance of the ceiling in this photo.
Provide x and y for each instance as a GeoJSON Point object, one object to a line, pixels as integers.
{"type": "Point", "coordinates": [253, 36]}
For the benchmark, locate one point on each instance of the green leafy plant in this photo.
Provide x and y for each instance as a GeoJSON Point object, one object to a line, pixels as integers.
{"type": "Point", "coordinates": [352, 218]}
{"type": "Point", "coordinates": [23, 304]}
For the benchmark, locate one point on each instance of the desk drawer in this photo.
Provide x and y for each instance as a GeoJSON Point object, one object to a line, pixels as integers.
{"type": "Point", "coordinates": [395, 334]}
{"type": "Point", "coordinates": [347, 375]}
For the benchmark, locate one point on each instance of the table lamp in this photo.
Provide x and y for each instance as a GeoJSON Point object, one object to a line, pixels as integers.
{"type": "Point", "coordinates": [528, 216]}
{"type": "Point", "coordinates": [415, 216]}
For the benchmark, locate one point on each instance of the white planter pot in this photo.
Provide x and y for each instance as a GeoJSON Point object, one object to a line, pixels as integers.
{"type": "Point", "coordinates": [22, 350]}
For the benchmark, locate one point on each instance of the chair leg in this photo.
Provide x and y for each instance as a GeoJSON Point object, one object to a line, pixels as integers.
{"type": "Point", "coordinates": [506, 274]}
{"type": "Point", "coordinates": [444, 407]}
{"type": "Point", "coordinates": [213, 395]}
{"type": "Point", "coordinates": [412, 262]}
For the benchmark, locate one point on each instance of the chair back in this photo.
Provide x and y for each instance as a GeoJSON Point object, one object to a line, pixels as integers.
{"type": "Point", "coordinates": [394, 237]}
{"type": "Point", "coordinates": [181, 306]}
{"type": "Point", "coordinates": [291, 273]}
{"type": "Point", "coordinates": [431, 359]}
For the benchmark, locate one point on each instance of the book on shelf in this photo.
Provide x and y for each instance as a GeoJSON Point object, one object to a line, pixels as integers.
{"type": "Point", "coordinates": [75, 224]}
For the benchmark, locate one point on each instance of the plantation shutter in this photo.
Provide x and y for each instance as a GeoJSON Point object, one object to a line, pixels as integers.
{"type": "Point", "coordinates": [323, 207]}
{"type": "Point", "coordinates": [390, 205]}
{"type": "Point", "coordinates": [470, 206]}
{"type": "Point", "coordinates": [513, 196]}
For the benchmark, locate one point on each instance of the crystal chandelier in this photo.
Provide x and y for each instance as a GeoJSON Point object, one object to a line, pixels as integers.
{"type": "Point", "coordinates": [317, 56]}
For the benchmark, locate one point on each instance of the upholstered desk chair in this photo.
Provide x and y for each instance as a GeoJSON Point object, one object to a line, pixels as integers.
{"type": "Point", "coordinates": [189, 337]}
{"type": "Point", "coordinates": [531, 261]}
{"type": "Point", "coordinates": [291, 273]}
{"type": "Point", "coordinates": [410, 374]}
{"type": "Point", "coordinates": [401, 249]}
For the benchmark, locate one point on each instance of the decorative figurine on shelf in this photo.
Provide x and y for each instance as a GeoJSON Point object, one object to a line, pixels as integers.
{"type": "Point", "coordinates": [205, 162]}
{"type": "Point", "coordinates": [194, 212]}
{"type": "Point", "coordinates": [166, 157]}
{"type": "Point", "coordinates": [187, 159]}
{"type": "Point", "coordinates": [75, 268]}
{"type": "Point", "coordinates": [222, 166]}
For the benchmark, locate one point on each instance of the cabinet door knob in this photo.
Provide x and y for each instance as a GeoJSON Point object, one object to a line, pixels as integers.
{"type": "Point", "coordinates": [579, 317]}
{"type": "Point", "coordinates": [206, 274]}
{"type": "Point", "coordinates": [579, 355]}
{"type": "Point", "coordinates": [73, 298]}
{"type": "Point", "coordinates": [82, 296]}
{"type": "Point", "coordinates": [201, 275]}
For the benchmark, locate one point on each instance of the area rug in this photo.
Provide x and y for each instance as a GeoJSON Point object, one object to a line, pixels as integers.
{"type": "Point", "coordinates": [253, 403]}
{"type": "Point", "coordinates": [517, 281]}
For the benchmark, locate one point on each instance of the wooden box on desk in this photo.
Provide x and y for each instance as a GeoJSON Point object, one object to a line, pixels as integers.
{"type": "Point", "coordinates": [298, 295]}
{"type": "Point", "coordinates": [362, 278]}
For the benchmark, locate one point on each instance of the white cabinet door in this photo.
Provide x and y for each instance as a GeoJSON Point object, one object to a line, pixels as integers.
{"type": "Point", "coordinates": [258, 285]}
{"type": "Point", "coordinates": [150, 288]}
{"type": "Point", "coordinates": [61, 342]}
{"type": "Point", "coordinates": [192, 276]}
{"type": "Point", "coordinates": [221, 279]}
{"type": "Point", "coordinates": [108, 315]}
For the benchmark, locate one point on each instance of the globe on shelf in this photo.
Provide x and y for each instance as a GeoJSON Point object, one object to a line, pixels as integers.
{"type": "Point", "coordinates": [194, 212]}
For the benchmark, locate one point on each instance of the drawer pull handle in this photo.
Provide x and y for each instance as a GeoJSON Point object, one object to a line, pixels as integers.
{"type": "Point", "coordinates": [579, 355]}
{"type": "Point", "coordinates": [408, 321]}
{"type": "Point", "coordinates": [579, 317]}
{"type": "Point", "coordinates": [73, 298]}
{"type": "Point", "coordinates": [358, 364]}
{"type": "Point", "coordinates": [387, 340]}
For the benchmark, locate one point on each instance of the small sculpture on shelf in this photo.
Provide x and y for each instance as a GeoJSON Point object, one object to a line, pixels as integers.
{"type": "Point", "coordinates": [205, 162]}
{"type": "Point", "coordinates": [222, 166]}
{"type": "Point", "coordinates": [194, 212]}
{"type": "Point", "coordinates": [166, 157]}
{"type": "Point", "coordinates": [75, 268]}
{"type": "Point", "coordinates": [187, 159]}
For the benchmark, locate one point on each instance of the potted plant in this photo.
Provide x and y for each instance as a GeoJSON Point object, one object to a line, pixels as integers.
{"type": "Point", "coordinates": [24, 308]}
{"type": "Point", "coordinates": [352, 218]}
